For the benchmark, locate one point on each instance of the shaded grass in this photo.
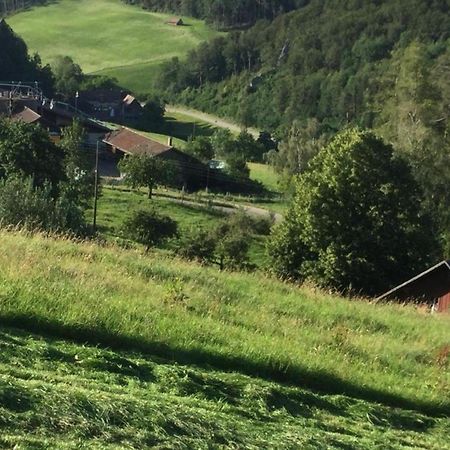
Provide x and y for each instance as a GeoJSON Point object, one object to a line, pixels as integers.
{"type": "Point", "coordinates": [108, 37]}
{"type": "Point", "coordinates": [246, 322]}
{"type": "Point", "coordinates": [57, 394]}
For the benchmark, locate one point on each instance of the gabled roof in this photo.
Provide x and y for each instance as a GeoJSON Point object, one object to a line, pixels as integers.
{"type": "Point", "coordinates": [134, 143]}
{"type": "Point", "coordinates": [27, 115]}
{"type": "Point", "coordinates": [427, 286]}
{"type": "Point", "coordinates": [129, 99]}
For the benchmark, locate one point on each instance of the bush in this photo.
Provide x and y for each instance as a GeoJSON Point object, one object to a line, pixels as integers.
{"type": "Point", "coordinates": [32, 208]}
{"type": "Point", "coordinates": [226, 245]}
{"type": "Point", "coordinates": [355, 223]}
{"type": "Point", "coordinates": [149, 228]}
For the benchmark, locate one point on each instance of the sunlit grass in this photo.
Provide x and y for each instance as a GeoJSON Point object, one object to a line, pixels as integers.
{"type": "Point", "coordinates": [246, 322]}
{"type": "Point", "coordinates": [108, 37]}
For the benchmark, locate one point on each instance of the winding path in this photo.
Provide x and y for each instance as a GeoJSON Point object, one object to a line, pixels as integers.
{"type": "Point", "coordinates": [211, 119]}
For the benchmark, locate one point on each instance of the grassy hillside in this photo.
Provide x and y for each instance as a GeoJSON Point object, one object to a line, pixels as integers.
{"type": "Point", "coordinates": [108, 37]}
{"type": "Point", "coordinates": [233, 321]}
{"type": "Point", "coordinates": [56, 394]}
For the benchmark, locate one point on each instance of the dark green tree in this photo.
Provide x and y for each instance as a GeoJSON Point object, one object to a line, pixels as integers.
{"type": "Point", "coordinates": [146, 171]}
{"type": "Point", "coordinates": [68, 76]}
{"type": "Point", "coordinates": [153, 113]}
{"type": "Point", "coordinates": [355, 224]}
{"type": "Point", "coordinates": [149, 228]}
{"type": "Point", "coordinates": [201, 148]}
{"type": "Point", "coordinates": [79, 163]}
{"type": "Point", "coordinates": [26, 150]}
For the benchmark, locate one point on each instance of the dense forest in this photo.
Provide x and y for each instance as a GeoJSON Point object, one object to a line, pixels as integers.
{"type": "Point", "coordinates": [224, 13]}
{"type": "Point", "coordinates": [376, 64]}
{"type": "Point", "coordinates": [330, 60]}
{"type": "Point", "coordinates": [11, 6]}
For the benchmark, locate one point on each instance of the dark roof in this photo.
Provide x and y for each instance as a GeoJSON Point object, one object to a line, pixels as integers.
{"type": "Point", "coordinates": [27, 115]}
{"type": "Point", "coordinates": [103, 95]}
{"type": "Point", "coordinates": [427, 286]}
{"type": "Point", "coordinates": [134, 143]}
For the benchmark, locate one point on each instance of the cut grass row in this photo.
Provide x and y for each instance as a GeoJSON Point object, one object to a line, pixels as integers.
{"type": "Point", "coordinates": [57, 394]}
{"type": "Point", "coordinates": [234, 321]}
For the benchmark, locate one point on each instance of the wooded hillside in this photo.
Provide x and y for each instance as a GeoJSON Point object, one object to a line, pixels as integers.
{"type": "Point", "coordinates": [224, 13]}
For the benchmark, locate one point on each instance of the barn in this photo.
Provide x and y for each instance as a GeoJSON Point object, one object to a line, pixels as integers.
{"type": "Point", "coordinates": [431, 287]}
{"type": "Point", "coordinates": [175, 21]}
{"type": "Point", "coordinates": [190, 172]}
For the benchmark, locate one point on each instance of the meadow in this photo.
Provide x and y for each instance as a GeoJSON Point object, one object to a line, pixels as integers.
{"type": "Point", "coordinates": [117, 203]}
{"type": "Point", "coordinates": [108, 37]}
{"type": "Point", "coordinates": [58, 394]}
{"type": "Point", "coordinates": [246, 322]}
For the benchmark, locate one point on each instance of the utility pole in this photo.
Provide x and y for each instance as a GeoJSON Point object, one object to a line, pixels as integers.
{"type": "Point", "coordinates": [94, 225]}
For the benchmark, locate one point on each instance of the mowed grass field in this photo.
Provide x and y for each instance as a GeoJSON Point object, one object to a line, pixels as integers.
{"type": "Point", "coordinates": [133, 350]}
{"type": "Point", "coordinates": [246, 322]}
{"type": "Point", "coordinates": [108, 37]}
{"type": "Point", "coordinates": [57, 394]}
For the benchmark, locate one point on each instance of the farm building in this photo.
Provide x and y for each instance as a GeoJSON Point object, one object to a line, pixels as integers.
{"type": "Point", "coordinates": [113, 105]}
{"type": "Point", "coordinates": [431, 287]}
{"type": "Point", "coordinates": [175, 21]}
{"type": "Point", "coordinates": [190, 172]}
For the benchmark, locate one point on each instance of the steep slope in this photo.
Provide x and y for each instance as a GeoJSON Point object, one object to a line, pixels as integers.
{"type": "Point", "coordinates": [332, 60]}
{"type": "Point", "coordinates": [108, 37]}
{"type": "Point", "coordinates": [233, 321]}
{"type": "Point", "coordinates": [57, 394]}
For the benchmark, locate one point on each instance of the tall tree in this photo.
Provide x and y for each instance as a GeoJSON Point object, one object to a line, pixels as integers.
{"type": "Point", "coordinates": [146, 171]}
{"type": "Point", "coordinates": [355, 224]}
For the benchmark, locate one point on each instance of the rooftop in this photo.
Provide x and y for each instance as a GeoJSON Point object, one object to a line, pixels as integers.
{"type": "Point", "coordinates": [133, 143]}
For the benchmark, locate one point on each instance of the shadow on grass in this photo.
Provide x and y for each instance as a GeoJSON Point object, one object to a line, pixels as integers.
{"type": "Point", "coordinates": [319, 381]}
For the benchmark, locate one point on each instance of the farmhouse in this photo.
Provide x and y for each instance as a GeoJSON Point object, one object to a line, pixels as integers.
{"type": "Point", "coordinates": [431, 286]}
{"type": "Point", "coordinates": [175, 21]}
{"type": "Point", "coordinates": [113, 105]}
{"type": "Point", "coordinates": [189, 172]}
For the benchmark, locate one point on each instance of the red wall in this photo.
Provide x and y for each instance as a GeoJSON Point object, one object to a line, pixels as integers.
{"type": "Point", "coordinates": [444, 303]}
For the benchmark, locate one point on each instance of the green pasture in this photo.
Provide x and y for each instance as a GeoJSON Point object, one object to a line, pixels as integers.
{"type": "Point", "coordinates": [264, 174]}
{"type": "Point", "coordinates": [117, 203]}
{"type": "Point", "coordinates": [108, 37]}
{"type": "Point", "coordinates": [57, 394]}
{"type": "Point", "coordinates": [249, 323]}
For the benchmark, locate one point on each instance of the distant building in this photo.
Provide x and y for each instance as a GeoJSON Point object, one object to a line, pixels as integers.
{"type": "Point", "coordinates": [431, 287]}
{"type": "Point", "coordinates": [175, 21]}
{"type": "Point", "coordinates": [188, 171]}
{"type": "Point", "coordinates": [113, 105]}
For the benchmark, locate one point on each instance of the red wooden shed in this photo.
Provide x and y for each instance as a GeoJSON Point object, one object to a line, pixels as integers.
{"type": "Point", "coordinates": [431, 286]}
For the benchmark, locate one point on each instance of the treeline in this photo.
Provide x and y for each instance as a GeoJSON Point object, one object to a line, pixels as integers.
{"type": "Point", "coordinates": [224, 13]}
{"type": "Point", "coordinates": [378, 64]}
{"type": "Point", "coordinates": [17, 64]}
{"type": "Point", "coordinates": [11, 6]}
{"type": "Point", "coordinates": [328, 60]}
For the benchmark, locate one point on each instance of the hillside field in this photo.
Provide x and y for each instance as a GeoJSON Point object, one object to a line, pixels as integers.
{"type": "Point", "coordinates": [132, 350]}
{"type": "Point", "coordinates": [108, 37]}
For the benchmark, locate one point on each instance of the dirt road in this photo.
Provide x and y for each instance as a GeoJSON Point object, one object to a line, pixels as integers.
{"type": "Point", "coordinates": [211, 119]}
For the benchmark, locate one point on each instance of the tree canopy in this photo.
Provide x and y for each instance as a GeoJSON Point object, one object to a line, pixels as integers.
{"type": "Point", "coordinates": [355, 224]}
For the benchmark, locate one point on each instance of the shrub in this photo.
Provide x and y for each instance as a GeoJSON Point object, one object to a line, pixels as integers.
{"type": "Point", "coordinates": [35, 208]}
{"type": "Point", "coordinates": [149, 228]}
